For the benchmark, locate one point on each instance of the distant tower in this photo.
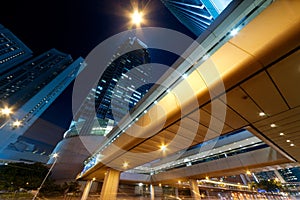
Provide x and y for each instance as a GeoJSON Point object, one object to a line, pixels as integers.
{"type": "Point", "coordinates": [196, 15]}
{"type": "Point", "coordinates": [12, 50]}
{"type": "Point", "coordinates": [29, 89]}
{"type": "Point", "coordinates": [125, 98]}
{"type": "Point", "coordinates": [86, 132]}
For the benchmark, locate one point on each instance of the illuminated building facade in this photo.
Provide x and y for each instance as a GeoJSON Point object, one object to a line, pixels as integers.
{"type": "Point", "coordinates": [109, 101]}
{"type": "Point", "coordinates": [28, 90]}
{"type": "Point", "coordinates": [196, 15]}
{"type": "Point", "coordinates": [290, 174]}
{"type": "Point", "coordinates": [112, 100]}
{"type": "Point", "coordinates": [12, 50]}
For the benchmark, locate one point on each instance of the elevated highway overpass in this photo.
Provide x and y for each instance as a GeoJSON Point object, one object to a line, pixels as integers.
{"type": "Point", "coordinates": [256, 88]}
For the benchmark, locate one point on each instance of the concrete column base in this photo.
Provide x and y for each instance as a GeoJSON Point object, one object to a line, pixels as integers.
{"type": "Point", "coordinates": [110, 185]}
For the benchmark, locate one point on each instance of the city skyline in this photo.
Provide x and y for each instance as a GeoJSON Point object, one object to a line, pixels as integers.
{"type": "Point", "coordinates": [76, 28]}
{"type": "Point", "coordinates": [222, 122]}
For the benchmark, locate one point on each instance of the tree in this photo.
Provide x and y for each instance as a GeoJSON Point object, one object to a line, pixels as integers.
{"type": "Point", "coordinates": [15, 176]}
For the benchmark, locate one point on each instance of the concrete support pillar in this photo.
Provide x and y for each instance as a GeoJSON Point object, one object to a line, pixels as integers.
{"type": "Point", "coordinates": [110, 185]}
{"type": "Point", "coordinates": [248, 178]}
{"type": "Point", "coordinates": [86, 190]}
{"type": "Point", "coordinates": [152, 193]}
{"type": "Point", "coordinates": [207, 194]}
{"type": "Point", "coordinates": [194, 189]}
{"type": "Point", "coordinates": [255, 178]}
{"type": "Point", "coordinates": [280, 178]}
{"type": "Point", "coordinates": [176, 192]}
{"type": "Point", "coordinates": [243, 179]}
{"type": "Point", "coordinates": [255, 196]}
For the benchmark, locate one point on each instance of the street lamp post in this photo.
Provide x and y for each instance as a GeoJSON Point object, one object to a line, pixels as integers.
{"type": "Point", "coordinates": [7, 113]}
{"type": "Point", "coordinates": [14, 124]}
{"type": "Point", "coordinates": [137, 18]}
{"type": "Point", "coordinates": [38, 190]}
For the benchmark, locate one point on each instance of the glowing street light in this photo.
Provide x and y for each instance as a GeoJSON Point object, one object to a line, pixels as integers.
{"type": "Point", "coordinates": [6, 111]}
{"type": "Point", "coordinates": [137, 18]}
{"type": "Point", "coordinates": [14, 124]}
{"type": "Point", "coordinates": [55, 155]}
{"type": "Point", "coordinates": [17, 123]}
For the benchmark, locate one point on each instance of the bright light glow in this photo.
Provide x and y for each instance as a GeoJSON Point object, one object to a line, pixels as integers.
{"type": "Point", "coordinates": [234, 32]}
{"type": "Point", "coordinates": [137, 17]}
{"type": "Point", "coordinates": [140, 184]}
{"type": "Point", "coordinates": [163, 147]}
{"type": "Point", "coordinates": [262, 114]}
{"type": "Point", "coordinates": [288, 140]}
{"type": "Point", "coordinates": [281, 134]}
{"type": "Point", "coordinates": [55, 155]}
{"type": "Point", "coordinates": [6, 111]}
{"type": "Point", "coordinates": [292, 145]}
{"type": "Point", "coordinates": [159, 185]}
{"type": "Point", "coordinates": [248, 172]}
{"type": "Point", "coordinates": [94, 179]}
{"type": "Point", "coordinates": [207, 178]}
{"type": "Point", "coordinates": [17, 123]}
{"type": "Point", "coordinates": [273, 125]}
{"type": "Point", "coordinates": [125, 164]}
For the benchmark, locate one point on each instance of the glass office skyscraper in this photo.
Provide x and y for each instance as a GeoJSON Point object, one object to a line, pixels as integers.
{"type": "Point", "coordinates": [27, 89]}
{"type": "Point", "coordinates": [196, 15]}
{"type": "Point", "coordinates": [12, 50]}
{"type": "Point", "coordinates": [109, 101]}
{"type": "Point", "coordinates": [124, 96]}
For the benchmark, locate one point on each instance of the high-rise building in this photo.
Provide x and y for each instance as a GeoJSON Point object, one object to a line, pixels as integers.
{"type": "Point", "coordinates": [196, 15]}
{"type": "Point", "coordinates": [109, 101]}
{"type": "Point", "coordinates": [284, 175]}
{"type": "Point", "coordinates": [12, 50]}
{"type": "Point", "coordinates": [109, 112]}
{"type": "Point", "coordinates": [26, 91]}
{"type": "Point", "coordinates": [290, 174]}
{"type": "Point", "coordinates": [266, 175]}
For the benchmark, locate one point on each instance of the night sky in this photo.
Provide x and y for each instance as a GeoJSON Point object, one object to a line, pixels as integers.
{"type": "Point", "coordinates": [75, 27]}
